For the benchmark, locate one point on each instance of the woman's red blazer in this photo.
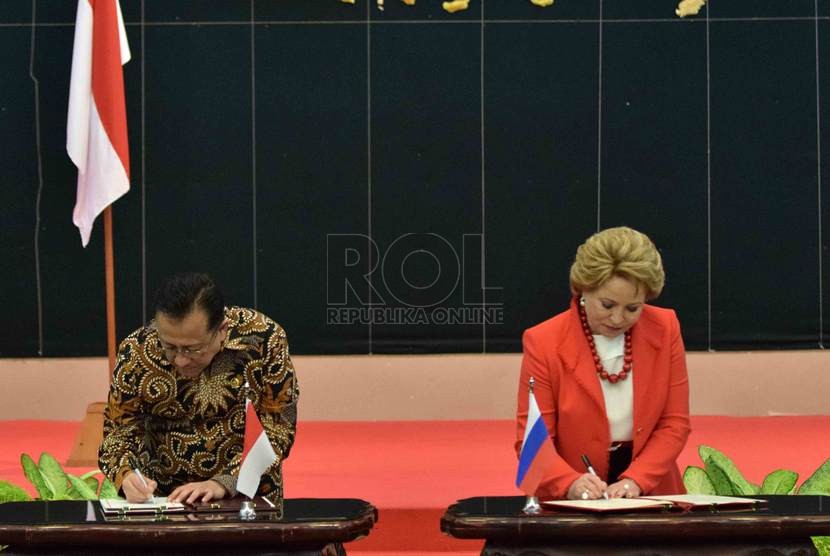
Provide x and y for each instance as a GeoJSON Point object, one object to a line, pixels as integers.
{"type": "Point", "coordinates": [569, 395]}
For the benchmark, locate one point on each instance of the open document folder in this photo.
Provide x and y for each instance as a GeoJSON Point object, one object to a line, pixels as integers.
{"type": "Point", "coordinates": [158, 504]}
{"type": "Point", "coordinates": [673, 501]}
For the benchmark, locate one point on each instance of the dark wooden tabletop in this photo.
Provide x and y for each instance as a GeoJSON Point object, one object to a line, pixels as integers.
{"type": "Point", "coordinates": [501, 518]}
{"type": "Point", "coordinates": [304, 523]}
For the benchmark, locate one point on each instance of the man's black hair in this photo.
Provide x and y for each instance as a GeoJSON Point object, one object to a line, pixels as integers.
{"type": "Point", "coordinates": [181, 293]}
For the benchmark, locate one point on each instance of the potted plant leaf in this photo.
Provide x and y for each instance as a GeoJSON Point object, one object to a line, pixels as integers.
{"type": "Point", "coordinates": [719, 475]}
{"type": "Point", "coordinates": [52, 483]}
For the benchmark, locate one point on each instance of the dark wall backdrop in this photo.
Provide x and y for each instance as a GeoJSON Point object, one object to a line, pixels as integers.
{"type": "Point", "coordinates": [289, 147]}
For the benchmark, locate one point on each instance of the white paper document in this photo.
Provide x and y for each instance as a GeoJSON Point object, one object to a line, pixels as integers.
{"type": "Point", "coordinates": [607, 505]}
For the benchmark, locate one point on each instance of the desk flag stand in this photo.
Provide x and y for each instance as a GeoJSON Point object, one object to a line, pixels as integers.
{"type": "Point", "coordinates": [532, 506]}
{"type": "Point", "coordinates": [247, 511]}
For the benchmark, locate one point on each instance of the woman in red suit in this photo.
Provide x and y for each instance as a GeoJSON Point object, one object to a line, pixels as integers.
{"type": "Point", "coordinates": [610, 376]}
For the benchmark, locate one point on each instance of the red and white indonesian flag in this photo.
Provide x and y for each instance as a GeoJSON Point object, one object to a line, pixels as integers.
{"type": "Point", "coordinates": [96, 126]}
{"type": "Point", "coordinates": [257, 454]}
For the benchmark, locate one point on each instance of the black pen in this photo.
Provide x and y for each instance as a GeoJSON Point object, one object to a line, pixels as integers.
{"type": "Point", "coordinates": [592, 471]}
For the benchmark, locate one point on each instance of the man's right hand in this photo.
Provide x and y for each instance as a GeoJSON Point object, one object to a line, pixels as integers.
{"type": "Point", "coordinates": [134, 488]}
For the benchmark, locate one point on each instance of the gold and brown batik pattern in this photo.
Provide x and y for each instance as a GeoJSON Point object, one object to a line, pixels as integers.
{"type": "Point", "coordinates": [179, 430]}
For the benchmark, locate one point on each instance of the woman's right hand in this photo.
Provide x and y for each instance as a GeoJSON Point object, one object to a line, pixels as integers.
{"type": "Point", "coordinates": [587, 487]}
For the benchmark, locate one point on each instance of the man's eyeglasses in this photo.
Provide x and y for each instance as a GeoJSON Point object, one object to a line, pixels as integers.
{"type": "Point", "coordinates": [171, 352]}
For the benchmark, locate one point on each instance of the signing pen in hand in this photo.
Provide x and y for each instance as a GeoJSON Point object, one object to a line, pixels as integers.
{"type": "Point", "coordinates": [141, 478]}
{"type": "Point", "coordinates": [592, 471]}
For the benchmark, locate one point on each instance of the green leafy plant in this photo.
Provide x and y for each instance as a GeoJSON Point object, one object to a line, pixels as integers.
{"type": "Point", "coordinates": [719, 475]}
{"type": "Point", "coordinates": [53, 483]}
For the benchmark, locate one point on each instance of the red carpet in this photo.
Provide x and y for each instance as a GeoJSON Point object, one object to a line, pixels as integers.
{"type": "Point", "coordinates": [412, 470]}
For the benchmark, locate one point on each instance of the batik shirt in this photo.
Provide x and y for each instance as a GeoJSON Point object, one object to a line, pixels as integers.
{"type": "Point", "coordinates": [179, 430]}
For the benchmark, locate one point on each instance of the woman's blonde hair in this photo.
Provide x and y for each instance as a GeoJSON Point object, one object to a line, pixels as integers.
{"type": "Point", "coordinates": [620, 252]}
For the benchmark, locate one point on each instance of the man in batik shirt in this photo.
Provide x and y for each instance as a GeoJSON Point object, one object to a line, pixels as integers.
{"type": "Point", "coordinates": [176, 408]}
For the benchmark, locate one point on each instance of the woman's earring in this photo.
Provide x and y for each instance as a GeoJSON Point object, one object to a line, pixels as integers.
{"type": "Point", "coordinates": [581, 301]}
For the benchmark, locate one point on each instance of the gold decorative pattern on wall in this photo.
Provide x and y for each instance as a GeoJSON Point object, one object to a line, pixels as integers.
{"type": "Point", "coordinates": [455, 5]}
{"type": "Point", "coordinates": [689, 7]}
{"type": "Point", "coordinates": [684, 8]}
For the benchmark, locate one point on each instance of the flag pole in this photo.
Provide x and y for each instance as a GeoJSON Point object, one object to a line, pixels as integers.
{"type": "Point", "coordinates": [85, 450]}
{"type": "Point", "coordinates": [109, 271]}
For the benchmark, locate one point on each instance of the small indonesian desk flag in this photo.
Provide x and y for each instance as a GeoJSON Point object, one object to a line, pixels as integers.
{"type": "Point", "coordinates": [537, 454]}
{"type": "Point", "coordinates": [96, 123]}
{"type": "Point", "coordinates": [257, 454]}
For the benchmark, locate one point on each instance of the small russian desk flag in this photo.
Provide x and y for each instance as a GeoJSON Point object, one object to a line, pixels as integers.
{"type": "Point", "coordinates": [537, 454]}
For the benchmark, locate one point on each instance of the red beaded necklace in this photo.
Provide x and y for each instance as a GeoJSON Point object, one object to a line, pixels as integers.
{"type": "Point", "coordinates": [627, 357]}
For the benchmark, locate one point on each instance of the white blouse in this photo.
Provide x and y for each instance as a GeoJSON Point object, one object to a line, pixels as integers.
{"type": "Point", "coordinates": [619, 397]}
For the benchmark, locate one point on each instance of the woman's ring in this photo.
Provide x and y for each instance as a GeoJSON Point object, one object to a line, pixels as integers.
{"type": "Point", "coordinates": [625, 486]}
{"type": "Point", "coordinates": [584, 494]}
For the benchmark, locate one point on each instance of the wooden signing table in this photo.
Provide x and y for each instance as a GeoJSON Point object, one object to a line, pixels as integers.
{"type": "Point", "coordinates": [307, 527]}
{"type": "Point", "coordinates": [784, 526]}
